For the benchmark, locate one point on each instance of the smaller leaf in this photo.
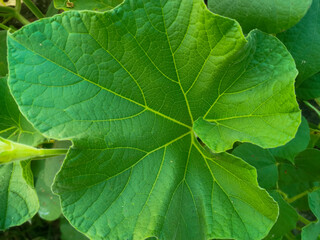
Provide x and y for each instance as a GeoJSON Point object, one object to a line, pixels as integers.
{"type": "Point", "coordinates": [97, 5]}
{"type": "Point", "coordinates": [296, 145]}
{"type": "Point", "coordinates": [312, 231]}
{"type": "Point", "coordinates": [45, 172]}
{"type": "Point", "coordinates": [18, 200]}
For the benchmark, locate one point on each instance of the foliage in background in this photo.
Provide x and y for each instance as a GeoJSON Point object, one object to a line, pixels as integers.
{"type": "Point", "coordinates": [137, 168]}
{"type": "Point", "coordinates": [97, 5]}
{"type": "Point", "coordinates": [268, 16]}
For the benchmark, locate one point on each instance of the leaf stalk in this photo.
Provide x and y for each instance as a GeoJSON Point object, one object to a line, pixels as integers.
{"type": "Point", "coordinates": [21, 18]}
{"type": "Point", "coordinates": [304, 220]}
{"type": "Point", "coordinates": [13, 151]}
{"type": "Point", "coordinates": [312, 107]}
{"type": "Point", "coordinates": [301, 195]}
{"type": "Point", "coordinates": [4, 27]}
{"type": "Point", "coordinates": [34, 9]}
{"type": "Point", "coordinates": [18, 6]}
{"type": "Point", "coordinates": [14, 13]}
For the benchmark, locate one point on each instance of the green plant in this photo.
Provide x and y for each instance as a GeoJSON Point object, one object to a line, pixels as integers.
{"type": "Point", "coordinates": [156, 97]}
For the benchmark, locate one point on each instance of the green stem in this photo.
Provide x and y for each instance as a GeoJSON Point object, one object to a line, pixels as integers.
{"type": "Point", "coordinates": [51, 10]}
{"type": "Point", "coordinates": [304, 220]}
{"type": "Point", "coordinates": [284, 195]}
{"type": "Point", "coordinates": [4, 27]}
{"type": "Point", "coordinates": [290, 236]}
{"type": "Point", "coordinates": [295, 198]}
{"type": "Point", "coordinates": [34, 9]}
{"type": "Point", "coordinates": [7, 10]}
{"type": "Point", "coordinates": [5, 16]}
{"type": "Point", "coordinates": [21, 18]}
{"type": "Point", "coordinates": [15, 13]}
{"type": "Point", "coordinates": [54, 151]}
{"type": "Point", "coordinates": [18, 6]}
{"type": "Point", "coordinates": [301, 195]}
{"type": "Point", "coordinates": [312, 107]}
{"type": "Point", "coordinates": [7, 19]}
{"type": "Point", "coordinates": [45, 153]}
{"type": "Point", "coordinates": [12, 151]}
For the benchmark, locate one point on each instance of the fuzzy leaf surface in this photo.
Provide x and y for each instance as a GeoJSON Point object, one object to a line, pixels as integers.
{"type": "Point", "coordinates": [127, 86]}
{"type": "Point", "coordinates": [268, 16]}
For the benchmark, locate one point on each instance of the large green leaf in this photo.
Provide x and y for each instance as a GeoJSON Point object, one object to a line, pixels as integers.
{"type": "Point", "coordinates": [18, 199]}
{"type": "Point", "coordinates": [312, 231]}
{"type": "Point", "coordinates": [269, 16]}
{"type": "Point", "coordinates": [101, 5]}
{"type": "Point", "coordinates": [3, 53]}
{"type": "Point", "coordinates": [126, 86]}
{"type": "Point", "coordinates": [303, 43]}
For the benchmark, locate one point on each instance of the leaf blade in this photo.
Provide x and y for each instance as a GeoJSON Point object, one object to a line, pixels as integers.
{"type": "Point", "coordinates": [131, 124]}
